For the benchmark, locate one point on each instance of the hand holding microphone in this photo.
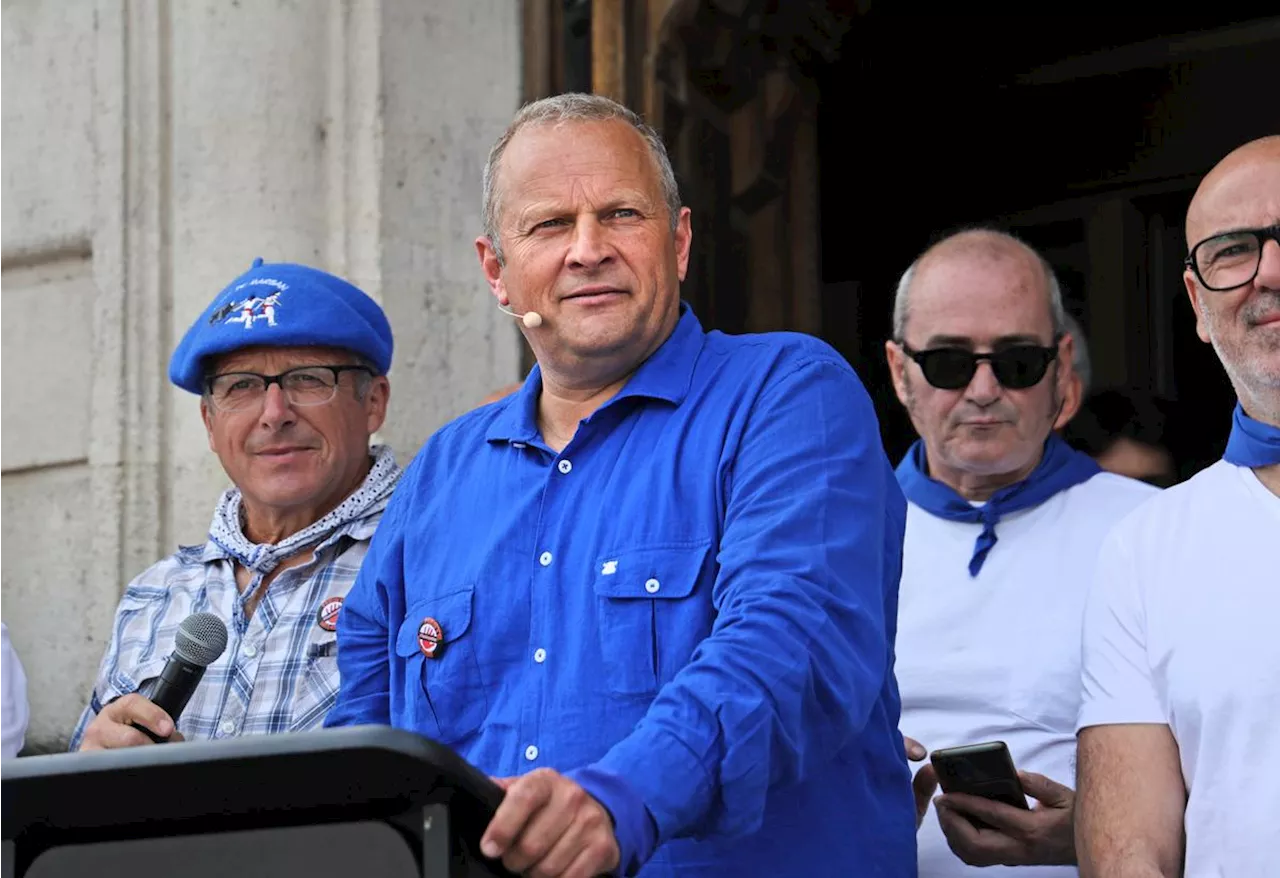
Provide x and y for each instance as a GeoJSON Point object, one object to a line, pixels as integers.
{"type": "Point", "coordinates": [133, 720]}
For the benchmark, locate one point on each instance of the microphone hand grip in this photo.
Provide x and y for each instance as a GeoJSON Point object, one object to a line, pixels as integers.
{"type": "Point", "coordinates": [172, 691]}
{"type": "Point", "coordinates": [175, 686]}
{"type": "Point", "coordinates": [201, 639]}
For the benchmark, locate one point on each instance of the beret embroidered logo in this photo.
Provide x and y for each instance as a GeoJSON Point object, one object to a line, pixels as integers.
{"type": "Point", "coordinates": [327, 618]}
{"type": "Point", "coordinates": [250, 309]}
{"type": "Point", "coordinates": [430, 634]}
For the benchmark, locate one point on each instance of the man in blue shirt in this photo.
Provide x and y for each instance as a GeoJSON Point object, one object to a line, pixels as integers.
{"type": "Point", "coordinates": [655, 590]}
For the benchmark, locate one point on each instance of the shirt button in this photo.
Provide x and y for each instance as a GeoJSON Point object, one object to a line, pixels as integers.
{"type": "Point", "coordinates": [652, 586]}
{"type": "Point", "coordinates": [531, 752]}
{"type": "Point", "coordinates": [539, 655]}
{"type": "Point", "coordinates": [564, 466]}
{"type": "Point", "coordinates": [545, 559]}
{"type": "Point", "coordinates": [250, 651]}
{"type": "Point", "coordinates": [227, 727]}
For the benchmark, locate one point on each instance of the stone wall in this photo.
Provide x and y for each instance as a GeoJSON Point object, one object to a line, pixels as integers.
{"type": "Point", "coordinates": [151, 151]}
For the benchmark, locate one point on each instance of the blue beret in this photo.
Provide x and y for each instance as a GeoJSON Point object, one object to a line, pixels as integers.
{"type": "Point", "coordinates": [282, 305]}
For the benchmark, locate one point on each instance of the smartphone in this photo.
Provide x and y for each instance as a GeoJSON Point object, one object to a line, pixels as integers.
{"type": "Point", "coordinates": [980, 770]}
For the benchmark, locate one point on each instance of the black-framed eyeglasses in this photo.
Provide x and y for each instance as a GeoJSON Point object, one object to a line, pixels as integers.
{"type": "Point", "coordinates": [1231, 259]}
{"type": "Point", "coordinates": [1016, 367]}
{"type": "Point", "coordinates": [306, 385]}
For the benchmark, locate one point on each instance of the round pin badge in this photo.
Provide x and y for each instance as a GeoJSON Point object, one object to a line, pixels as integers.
{"type": "Point", "coordinates": [327, 617]}
{"type": "Point", "coordinates": [430, 635]}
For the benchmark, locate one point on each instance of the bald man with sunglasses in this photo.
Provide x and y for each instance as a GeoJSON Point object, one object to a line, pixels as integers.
{"type": "Point", "coordinates": [1004, 523]}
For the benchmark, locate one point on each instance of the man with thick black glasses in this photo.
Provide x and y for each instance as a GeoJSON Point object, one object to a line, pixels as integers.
{"type": "Point", "coordinates": [290, 365]}
{"type": "Point", "coordinates": [1004, 521]}
{"type": "Point", "coordinates": [1179, 731]}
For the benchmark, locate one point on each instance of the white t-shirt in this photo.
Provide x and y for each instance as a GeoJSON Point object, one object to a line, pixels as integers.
{"type": "Point", "coordinates": [1183, 629]}
{"type": "Point", "coordinates": [13, 697]}
{"type": "Point", "coordinates": [996, 657]}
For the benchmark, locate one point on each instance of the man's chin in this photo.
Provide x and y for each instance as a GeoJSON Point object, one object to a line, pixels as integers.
{"type": "Point", "coordinates": [599, 338]}
{"type": "Point", "coordinates": [286, 488]}
{"type": "Point", "coordinates": [990, 458]}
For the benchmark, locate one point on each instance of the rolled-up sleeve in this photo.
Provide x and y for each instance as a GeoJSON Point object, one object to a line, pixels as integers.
{"type": "Point", "coordinates": [800, 649]}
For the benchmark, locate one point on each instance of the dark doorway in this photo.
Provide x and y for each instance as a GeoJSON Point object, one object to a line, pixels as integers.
{"type": "Point", "coordinates": [1084, 136]}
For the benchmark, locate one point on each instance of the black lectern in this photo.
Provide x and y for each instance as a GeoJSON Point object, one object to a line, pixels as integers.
{"type": "Point", "coordinates": [354, 802]}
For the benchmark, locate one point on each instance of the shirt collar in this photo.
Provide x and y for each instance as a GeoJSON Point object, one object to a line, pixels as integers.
{"type": "Point", "coordinates": [666, 375]}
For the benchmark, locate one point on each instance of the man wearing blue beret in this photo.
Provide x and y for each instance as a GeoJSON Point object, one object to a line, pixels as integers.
{"type": "Point", "coordinates": [290, 365]}
{"type": "Point", "coordinates": [654, 590]}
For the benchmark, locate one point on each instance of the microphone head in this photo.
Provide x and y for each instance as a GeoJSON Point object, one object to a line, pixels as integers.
{"type": "Point", "coordinates": [202, 637]}
{"type": "Point", "coordinates": [531, 319]}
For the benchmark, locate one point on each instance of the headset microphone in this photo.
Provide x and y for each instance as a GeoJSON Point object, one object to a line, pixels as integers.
{"type": "Point", "coordinates": [530, 319]}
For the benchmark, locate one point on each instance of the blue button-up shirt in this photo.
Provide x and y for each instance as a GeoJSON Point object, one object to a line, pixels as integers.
{"type": "Point", "coordinates": [692, 606]}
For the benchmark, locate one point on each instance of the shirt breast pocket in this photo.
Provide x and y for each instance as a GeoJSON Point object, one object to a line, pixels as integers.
{"type": "Point", "coordinates": [317, 690]}
{"type": "Point", "coordinates": [652, 614]}
{"type": "Point", "coordinates": [444, 691]}
{"type": "Point", "coordinates": [141, 678]}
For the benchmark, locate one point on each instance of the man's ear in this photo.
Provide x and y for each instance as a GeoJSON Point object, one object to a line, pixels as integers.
{"type": "Point", "coordinates": [1070, 384]}
{"type": "Point", "coordinates": [206, 415]}
{"type": "Point", "coordinates": [897, 370]}
{"type": "Point", "coordinates": [684, 240]}
{"type": "Point", "coordinates": [1193, 293]}
{"type": "Point", "coordinates": [377, 395]}
{"type": "Point", "coordinates": [492, 268]}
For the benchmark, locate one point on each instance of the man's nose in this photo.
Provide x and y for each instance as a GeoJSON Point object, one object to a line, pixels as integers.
{"type": "Point", "coordinates": [276, 408]}
{"type": "Point", "coordinates": [983, 387]}
{"type": "Point", "coordinates": [589, 248]}
{"type": "Point", "coordinates": [1269, 266]}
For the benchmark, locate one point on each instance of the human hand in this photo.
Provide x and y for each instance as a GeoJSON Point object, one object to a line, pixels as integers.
{"type": "Point", "coordinates": [112, 728]}
{"type": "Point", "coordinates": [1042, 836]}
{"type": "Point", "coordinates": [547, 826]}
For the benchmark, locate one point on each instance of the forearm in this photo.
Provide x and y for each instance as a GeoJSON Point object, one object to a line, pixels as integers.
{"type": "Point", "coordinates": [1130, 802]}
{"type": "Point", "coordinates": [1122, 866]}
{"type": "Point", "coordinates": [1113, 844]}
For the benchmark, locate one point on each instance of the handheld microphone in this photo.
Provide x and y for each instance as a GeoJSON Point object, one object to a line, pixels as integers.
{"type": "Point", "coordinates": [531, 319]}
{"type": "Point", "coordinates": [202, 638]}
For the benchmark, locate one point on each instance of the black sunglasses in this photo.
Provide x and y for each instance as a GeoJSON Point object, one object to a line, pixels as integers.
{"type": "Point", "coordinates": [1016, 367]}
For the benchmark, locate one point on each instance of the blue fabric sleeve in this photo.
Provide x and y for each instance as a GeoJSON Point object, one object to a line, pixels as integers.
{"type": "Point", "coordinates": [800, 648]}
{"type": "Point", "coordinates": [364, 690]}
{"type": "Point", "coordinates": [632, 826]}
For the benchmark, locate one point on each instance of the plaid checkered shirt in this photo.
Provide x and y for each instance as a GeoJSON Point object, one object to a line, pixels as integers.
{"type": "Point", "coordinates": [279, 672]}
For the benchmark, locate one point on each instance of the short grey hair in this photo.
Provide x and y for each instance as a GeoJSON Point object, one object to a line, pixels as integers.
{"type": "Point", "coordinates": [1081, 363]}
{"type": "Point", "coordinates": [1057, 313]}
{"type": "Point", "coordinates": [574, 107]}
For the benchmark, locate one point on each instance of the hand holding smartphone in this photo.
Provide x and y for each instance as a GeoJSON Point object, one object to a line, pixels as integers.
{"type": "Point", "coordinates": [985, 770]}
